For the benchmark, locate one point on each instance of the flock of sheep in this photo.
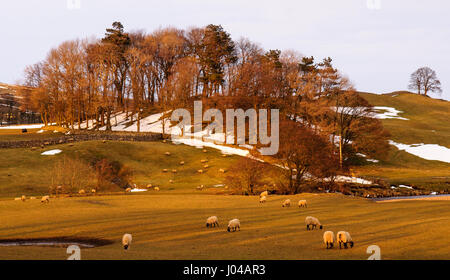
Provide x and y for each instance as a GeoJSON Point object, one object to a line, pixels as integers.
{"type": "Point", "coordinates": [343, 237]}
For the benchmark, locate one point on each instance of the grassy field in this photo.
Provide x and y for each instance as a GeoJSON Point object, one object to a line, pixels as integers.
{"type": "Point", "coordinates": [26, 171]}
{"type": "Point", "coordinates": [429, 124]}
{"type": "Point", "coordinates": [17, 135]}
{"type": "Point", "coordinates": [166, 226]}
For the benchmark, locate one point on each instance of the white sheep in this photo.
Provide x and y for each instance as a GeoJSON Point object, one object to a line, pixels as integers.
{"type": "Point", "coordinates": [264, 193]}
{"type": "Point", "coordinates": [181, 162]}
{"type": "Point", "coordinates": [263, 199]}
{"type": "Point", "coordinates": [313, 222]}
{"type": "Point", "coordinates": [17, 198]}
{"type": "Point", "coordinates": [23, 198]}
{"type": "Point", "coordinates": [93, 191]}
{"type": "Point", "coordinates": [200, 171]}
{"type": "Point", "coordinates": [45, 198]}
{"type": "Point", "coordinates": [233, 225]}
{"type": "Point", "coordinates": [204, 160]}
{"type": "Point", "coordinates": [286, 203]}
{"type": "Point", "coordinates": [156, 188]}
{"type": "Point", "coordinates": [302, 203]}
{"type": "Point", "coordinates": [167, 153]}
{"type": "Point", "coordinates": [222, 170]}
{"type": "Point", "coordinates": [126, 240]}
{"type": "Point", "coordinates": [32, 198]}
{"type": "Point", "coordinates": [212, 221]}
{"type": "Point", "coordinates": [164, 170]}
{"type": "Point", "coordinates": [174, 171]}
{"type": "Point", "coordinates": [81, 191]}
{"type": "Point", "coordinates": [343, 237]}
{"type": "Point", "coordinates": [128, 190]}
{"type": "Point", "coordinates": [328, 239]}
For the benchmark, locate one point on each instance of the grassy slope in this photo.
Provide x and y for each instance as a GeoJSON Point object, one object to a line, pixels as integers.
{"type": "Point", "coordinates": [428, 123]}
{"type": "Point", "coordinates": [173, 227]}
{"type": "Point", "coordinates": [24, 171]}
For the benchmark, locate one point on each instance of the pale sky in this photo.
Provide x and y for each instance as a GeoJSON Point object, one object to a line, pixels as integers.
{"type": "Point", "coordinates": [376, 43]}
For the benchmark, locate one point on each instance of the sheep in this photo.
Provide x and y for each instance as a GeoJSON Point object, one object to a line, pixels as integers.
{"type": "Point", "coordinates": [17, 198]}
{"type": "Point", "coordinates": [23, 198]}
{"type": "Point", "coordinates": [302, 203]}
{"type": "Point", "coordinates": [343, 237]}
{"type": "Point", "coordinates": [164, 170]}
{"type": "Point", "coordinates": [171, 181]}
{"type": "Point", "coordinates": [167, 153]}
{"type": "Point", "coordinates": [328, 239]}
{"type": "Point", "coordinates": [32, 198]}
{"type": "Point", "coordinates": [286, 203]}
{"type": "Point", "coordinates": [128, 190]}
{"type": "Point", "coordinates": [174, 171]}
{"type": "Point", "coordinates": [204, 160]}
{"type": "Point", "coordinates": [206, 166]}
{"type": "Point", "coordinates": [313, 222]}
{"type": "Point", "coordinates": [181, 162]}
{"type": "Point", "coordinates": [222, 170]}
{"type": "Point", "coordinates": [200, 187]}
{"type": "Point", "coordinates": [205, 151]}
{"type": "Point", "coordinates": [93, 191]}
{"type": "Point", "coordinates": [263, 199]}
{"type": "Point", "coordinates": [45, 198]}
{"type": "Point", "coordinates": [212, 221]}
{"type": "Point", "coordinates": [81, 191]}
{"type": "Point", "coordinates": [233, 225]}
{"type": "Point", "coordinates": [126, 240]}
{"type": "Point", "coordinates": [264, 193]}
{"type": "Point", "coordinates": [200, 171]}
{"type": "Point", "coordinates": [156, 188]}
{"type": "Point", "coordinates": [149, 186]}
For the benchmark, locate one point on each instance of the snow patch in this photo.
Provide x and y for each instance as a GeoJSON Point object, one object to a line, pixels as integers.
{"type": "Point", "coordinates": [139, 190]}
{"type": "Point", "coordinates": [391, 113]}
{"type": "Point", "coordinates": [24, 126]}
{"type": "Point", "coordinates": [425, 151]}
{"type": "Point", "coordinates": [51, 152]}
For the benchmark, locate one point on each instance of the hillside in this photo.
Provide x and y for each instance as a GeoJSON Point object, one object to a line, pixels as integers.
{"type": "Point", "coordinates": [421, 120]}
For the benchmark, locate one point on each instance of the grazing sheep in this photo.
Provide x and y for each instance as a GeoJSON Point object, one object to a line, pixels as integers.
{"type": "Point", "coordinates": [45, 198]}
{"type": "Point", "coordinates": [205, 151]}
{"type": "Point", "coordinates": [200, 171]}
{"type": "Point", "coordinates": [328, 239]}
{"type": "Point", "coordinates": [286, 203]}
{"type": "Point", "coordinates": [126, 240]}
{"type": "Point", "coordinates": [93, 191]}
{"type": "Point", "coordinates": [224, 155]}
{"type": "Point", "coordinates": [264, 193]}
{"type": "Point", "coordinates": [32, 198]}
{"type": "Point", "coordinates": [164, 170]}
{"type": "Point", "coordinates": [128, 190]}
{"type": "Point", "coordinates": [167, 153]}
{"type": "Point", "coordinates": [171, 181]}
{"type": "Point", "coordinates": [164, 141]}
{"type": "Point", "coordinates": [174, 171]}
{"type": "Point", "coordinates": [181, 162]}
{"type": "Point", "coordinates": [18, 198]}
{"type": "Point", "coordinates": [343, 237]}
{"type": "Point", "coordinates": [263, 199]}
{"type": "Point", "coordinates": [212, 221]}
{"type": "Point", "coordinates": [149, 186]}
{"type": "Point", "coordinates": [233, 225]}
{"type": "Point", "coordinates": [206, 166]}
{"type": "Point", "coordinates": [222, 170]}
{"type": "Point", "coordinates": [204, 160]}
{"type": "Point", "coordinates": [200, 187]}
{"type": "Point", "coordinates": [302, 203]}
{"type": "Point", "coordinates": [81, 191]}
{"type": "Point", "coordinates": [156, 188]}
{"type": "Point", "coordinates": [313, 222]}
{"type": "Point", "coordinates": [23, 198]}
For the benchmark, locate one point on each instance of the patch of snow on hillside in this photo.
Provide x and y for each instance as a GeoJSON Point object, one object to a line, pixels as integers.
{"type": "Point", "coordinates": [24, 126]}
{"type": "Point", "coordinates": [51, 152]}
{"type": "Point", "coordinates": [391, 113]}
{"type": "Point", "coordinates": [425, 151]}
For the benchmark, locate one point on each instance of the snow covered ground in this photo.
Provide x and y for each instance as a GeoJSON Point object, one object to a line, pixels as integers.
{"type": "Point", "coordinates": [390, 113]}
{"type": "Point", "coordinates": [425, 151]}
{"type": "Point", "coordinates": [24, 126]}
{"type": "Point", "coordinates": [51, 152]}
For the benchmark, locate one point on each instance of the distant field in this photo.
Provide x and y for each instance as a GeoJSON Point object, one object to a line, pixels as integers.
{"type": "Point", "coordinates": [167, 226]}
{"type": "Point", "coordinates": [26, 171]}
{"type": "Point", "coordinates": [429, 123]}
{"type": "Point", "coordinates": [17, 135]}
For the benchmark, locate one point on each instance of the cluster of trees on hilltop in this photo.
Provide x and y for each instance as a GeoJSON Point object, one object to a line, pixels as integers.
{"type": "Point", "coordinates": [137, 73]}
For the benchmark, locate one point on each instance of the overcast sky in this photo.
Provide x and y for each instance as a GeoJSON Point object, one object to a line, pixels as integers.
{"type": "Point", "coordinates": [376, 43]}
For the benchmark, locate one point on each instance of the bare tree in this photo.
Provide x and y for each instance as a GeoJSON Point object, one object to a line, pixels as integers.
{"type": "Point", "coordinates": [424, 80]}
